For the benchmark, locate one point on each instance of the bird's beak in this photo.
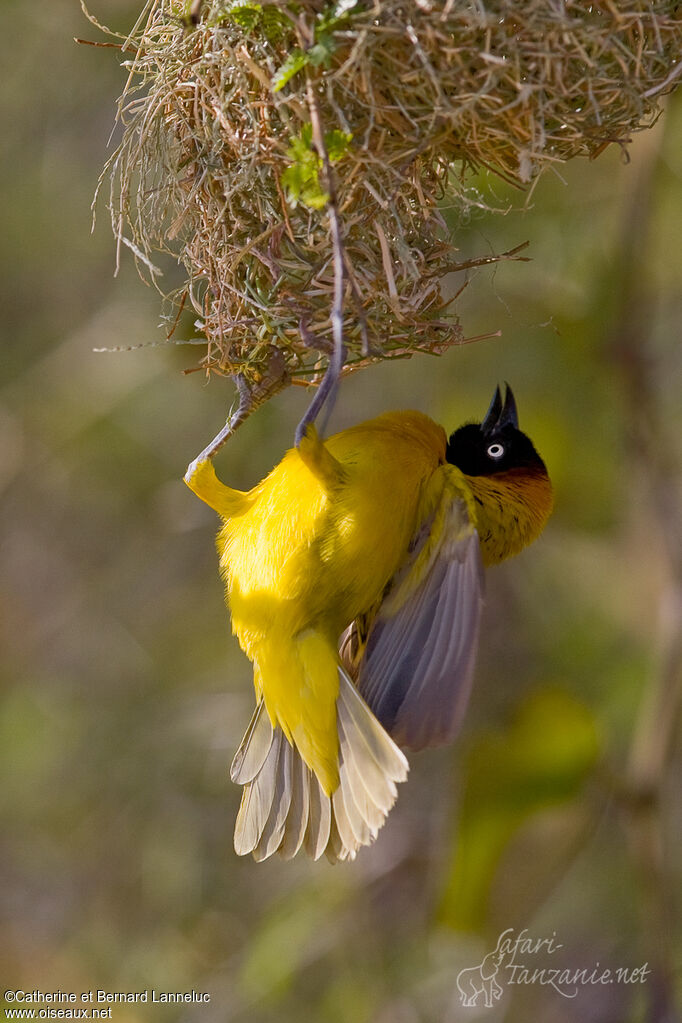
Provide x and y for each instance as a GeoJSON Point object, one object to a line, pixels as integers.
{"type": "Point", "coordinates": [493, 413]}
{"type": "Point", "coordinates": [499, 415]}
{"type": "Point", "coordinates": [510, 416]}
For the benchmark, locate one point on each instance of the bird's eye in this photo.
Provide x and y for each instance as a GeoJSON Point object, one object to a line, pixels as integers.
{"type": "Point", "coordinates": [495, 451]}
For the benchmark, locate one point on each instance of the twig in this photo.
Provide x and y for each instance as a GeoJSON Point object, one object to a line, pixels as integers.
{"type": "Point", "coordinates": [668, 80]}
{"type": "Point", "coordinates": [104, 46]}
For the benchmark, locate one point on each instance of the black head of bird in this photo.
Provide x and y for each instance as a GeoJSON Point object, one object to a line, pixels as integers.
{"type": "Point", "coordinates": [496, 445]}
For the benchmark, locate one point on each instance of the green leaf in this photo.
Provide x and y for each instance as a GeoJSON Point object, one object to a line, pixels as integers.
{"type": "Point", "coordinates": [336, 143]}
{"type": "Point", "coordinates": [275, 25]}
{"type": "Point", "coordinates": [321, 52]}
{"type": "Point", "coordinates": [301, 179]}
{"type": "Point", "coordinates": [246, 13]}
{"type": "Point", "coordinates": [294, 63]}
{"type": "Point", "coordinates": [306, 138]}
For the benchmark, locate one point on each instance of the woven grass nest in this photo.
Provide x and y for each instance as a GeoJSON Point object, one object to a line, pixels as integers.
{"type": "Point", "coordinates": [291, 155]}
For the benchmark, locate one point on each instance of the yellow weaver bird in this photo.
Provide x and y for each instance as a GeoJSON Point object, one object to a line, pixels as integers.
{"type": "Point", "coordinates": [354, 574]}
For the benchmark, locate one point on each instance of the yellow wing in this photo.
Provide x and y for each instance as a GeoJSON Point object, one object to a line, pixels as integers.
{"type": "Point", "coordinates": [416, 667]}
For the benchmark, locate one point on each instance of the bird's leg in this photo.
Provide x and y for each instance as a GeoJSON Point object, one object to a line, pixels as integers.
{"type": "Point", "coordinates": [326, 392]}
{"type": "Point", "coordinates": [250, 398]}
{"type": "Point", "coordinates": [244, 409]}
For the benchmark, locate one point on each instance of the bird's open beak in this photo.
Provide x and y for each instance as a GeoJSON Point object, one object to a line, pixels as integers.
{"type": "Point", "coordinates": [500, 415]}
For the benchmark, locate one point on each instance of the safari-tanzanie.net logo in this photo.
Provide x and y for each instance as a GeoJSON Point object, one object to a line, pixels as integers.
{"type": "Point", "coordinates": [519, 959]}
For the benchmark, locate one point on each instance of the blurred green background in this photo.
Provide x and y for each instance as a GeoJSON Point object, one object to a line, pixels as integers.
{"type": "Point", "coordinates": [124, 694]}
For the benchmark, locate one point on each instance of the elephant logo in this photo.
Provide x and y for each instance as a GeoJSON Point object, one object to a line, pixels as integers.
{"type": "Point", "coordinates": [480, 980]}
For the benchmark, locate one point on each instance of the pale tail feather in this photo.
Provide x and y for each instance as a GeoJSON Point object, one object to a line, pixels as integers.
{"type": "Point", "coordinates": [284, 807]}
{"type": "Point", "coordinates": [297, 818]}
{"type": "Point", "coordinates": [253, 749]}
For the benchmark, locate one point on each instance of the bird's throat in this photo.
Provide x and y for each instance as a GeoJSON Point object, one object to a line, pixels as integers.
{"type": "Point", "coordinates": [511, 509]}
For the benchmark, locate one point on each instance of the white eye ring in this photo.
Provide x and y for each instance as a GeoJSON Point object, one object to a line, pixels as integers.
{"type": "Point", "coordinates": [495, 451]}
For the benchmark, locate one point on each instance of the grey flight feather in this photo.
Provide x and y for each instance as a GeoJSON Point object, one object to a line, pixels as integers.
{"type": "Point", "coordinates": [418, 664]}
